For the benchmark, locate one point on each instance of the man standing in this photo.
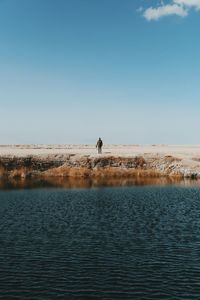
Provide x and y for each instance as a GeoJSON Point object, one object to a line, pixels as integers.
{"type": "Point", "coordinates": [99, 145]}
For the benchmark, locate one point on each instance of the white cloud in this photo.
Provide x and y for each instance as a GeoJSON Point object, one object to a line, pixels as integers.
{"type": "Point", "coordinates": [164, 10]}
{"type": "Point", "coordinates": [189, 3]}
{"type": "Point", "coordinates": [177, 7]}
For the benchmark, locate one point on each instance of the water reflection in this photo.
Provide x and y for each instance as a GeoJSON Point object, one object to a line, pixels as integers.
{"type": "Point", "coordinates": [69, 182]}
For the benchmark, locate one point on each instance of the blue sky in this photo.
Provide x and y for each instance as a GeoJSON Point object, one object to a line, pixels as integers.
{"type": "Point", "coordinates": [74, 70]}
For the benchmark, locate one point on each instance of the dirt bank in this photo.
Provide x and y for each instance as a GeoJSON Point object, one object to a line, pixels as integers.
{"type": "Point", "coordinates": [102, 166]}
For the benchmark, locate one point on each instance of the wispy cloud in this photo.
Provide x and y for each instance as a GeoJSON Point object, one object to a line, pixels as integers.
{"type": "Point", "coordinates": [189, 3]}
{"type": "Point", "coordinates": [164, 10]}
{"type": "Point", "coordinates": [140, 9]}
{"type": "Point", "coordinates": [179, 8]}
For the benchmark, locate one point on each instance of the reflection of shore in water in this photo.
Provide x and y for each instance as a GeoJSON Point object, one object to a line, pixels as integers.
{"type": "Point", "coordinates": [70, 182]}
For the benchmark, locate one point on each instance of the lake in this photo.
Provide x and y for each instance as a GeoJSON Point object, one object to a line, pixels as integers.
{"type": "Point", "coordinates": [136, 242]}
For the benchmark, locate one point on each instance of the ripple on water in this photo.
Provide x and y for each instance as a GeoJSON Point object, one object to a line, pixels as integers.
{"type": "Point", "coordinates": [113, 243]}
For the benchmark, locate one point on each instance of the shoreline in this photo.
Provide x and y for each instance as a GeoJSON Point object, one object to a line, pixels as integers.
{"type": "Point", "coordinates": [117, 161]}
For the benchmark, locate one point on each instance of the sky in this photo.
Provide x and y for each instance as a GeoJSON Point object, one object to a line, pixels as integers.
{"type": "Point", "coordinates": [72, 71]}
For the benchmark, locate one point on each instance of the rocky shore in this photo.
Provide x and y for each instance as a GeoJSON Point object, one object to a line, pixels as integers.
{"type": "Point", "coordinates": [102, 166]}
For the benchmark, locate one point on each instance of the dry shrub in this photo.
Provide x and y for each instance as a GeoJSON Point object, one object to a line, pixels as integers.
{"type": "Point", "coordinates": [21, 172]}
{"type": "Point", "coordinates": [79, 172]}
{"type": "Point", "coordinates": [170, 158]}
{"type": "Point", "coordinates": [60, 171]}
{"type": "Point", "coordinates": [148, 173]}
{"type": "Point", "coordinates": [64, 171]}
{"type": "Point", "coordinates": [106, 172]}
{"type": "Point", "coordinates": [2, 171]}
{"type": "Point", "coordinates": [109, 172]}
{"type": "Point", "coordinates": [139, 162]}
{"type": "Point", "coordinates": [124, 173]}
{"type": "Point", "coordinates": [196, 159]}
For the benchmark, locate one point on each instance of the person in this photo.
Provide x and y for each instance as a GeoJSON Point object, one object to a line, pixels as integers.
{"type": "Point", "coordinates": [99, 145]}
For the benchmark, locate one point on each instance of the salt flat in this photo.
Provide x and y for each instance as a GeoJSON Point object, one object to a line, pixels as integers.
{"type": "Point", "coordinates": [180, 151]}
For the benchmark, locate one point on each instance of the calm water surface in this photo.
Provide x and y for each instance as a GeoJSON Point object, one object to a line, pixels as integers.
{"type": "Point", "coordinates": [102, 243]}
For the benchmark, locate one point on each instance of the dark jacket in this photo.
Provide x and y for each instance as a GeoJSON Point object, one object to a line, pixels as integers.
{"type": "Point", "coordinates": [99, 143]}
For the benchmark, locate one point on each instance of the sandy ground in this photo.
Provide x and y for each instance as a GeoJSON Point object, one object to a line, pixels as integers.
{"type": "Point", "coordinates": [180, 151]}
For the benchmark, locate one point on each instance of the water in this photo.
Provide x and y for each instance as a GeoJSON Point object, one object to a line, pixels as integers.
{"type": "Point", "coordinates": [102, 243]}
